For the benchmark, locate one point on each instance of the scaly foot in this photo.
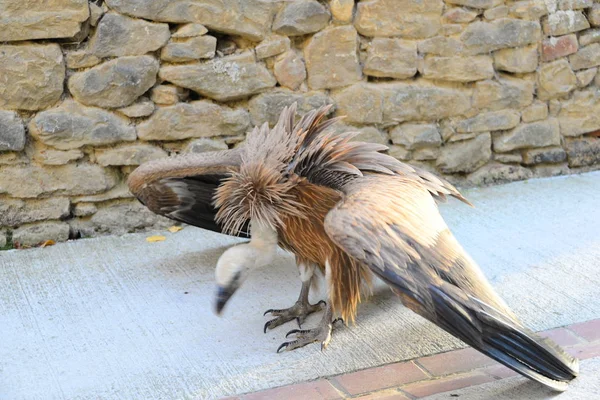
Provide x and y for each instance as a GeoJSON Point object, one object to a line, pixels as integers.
{"type": "Point", "coordinates": [321, 333]}
{"type": "Point", "coordinates": [298, 311]}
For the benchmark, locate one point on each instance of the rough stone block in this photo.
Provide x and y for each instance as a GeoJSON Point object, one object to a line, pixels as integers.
{"type": "Point", "coordinates": [34, 234]}
{"type": "Point", "coordinates": [410, 19]}
{"type": "Point", "coordinates": [557, 47]}
{"type": "Point", "coordinates": [341, 10]}
{"type": "Point", "coordinates": [466, 155]}
{"type": "Point", "coordinates": [190, 49]}
{"type": "Point", "coordinates": [84, 209]}
{"type": "Point", "coordinates": [590, 36]}
{"type": "Point", "coordinates": [483, 37]}
{"type": "Point", "coordinates": [580, 114]}
{"type": "Point", "coordinates": [494, 173]}
{"type": "Point", "coordinates": [500, 94]}
{"type": "Point", "coordinates": [594, 15]}
{"type": "Point", "coordinates": [548, 170]}
{"type": "Point", "coordinates": [535, 112]}
{"type": "Point", "coordinates": [12, 131]}
{"type": "Point", "coordinates": [518, 60]}
{"type": "Point", "coordinates": [531, 10]}
{"type": "Point", "coordinates": [490, 121]}
{"type": "Point", "coordinates": [586, 77]}
{"type": "Point", "coordinates": [289, 70]}
{"type": "Point", "coordinates": [227, 78]}
{"type": "Point", "coordinates": [422, 101]}
{"type": "Point", "coordinates": [583, 152]}
{"type": "Point", "coordinates": [546, 155]}
{"type": "Point", "coordinates": [118, 35]}
{"type": "Point", "coordinates": [30, 181]}
{"type": "Point", "coordinates": [15, 212]}
{"type": "Point", "coordinates": [413, 136]}
{"type": "Point", "coordinates": [300, 18]}
{"type": "Point", "coordinates": [205, 144]}
{"type": "Point", "coordinates": [426, 153]}
{"type": "Point", "coordinates": [168, 94]}
{"type": "Point", "coordinates": [127, 217]}
{"type": "Point", "coordinates": [331, 58]}
{"type": "Point", "coordinates": [71, 126]}
{"type": "Point", "coordinates": [479, 4]}
{"type": "Point", "coordinates": [272, 46]}
{"type": "Point", "coordinates": [35, 87]}
{"type": "Point", "coordinates": [361, 103]}
{"type": "Point", "coordinates": [458, 68]}
{"type": "Point", "coordinates": [115, 83]}
{"type": "Point", "coordinates": [496, 12]}
{"type": "Point", "coordinates": [247, 18]}
{"type": "Point", "coordinates": [191, 120]}
{"type": "Point", "coordinates": [81, 59]}
{"type": "Point", "coordinates": [391, 58]}
{"type": "Point", "coordinates": [567, 5]}
{"type": "Point", "coordinates": [189, 30]}
{"type": "Point", "coordinates": [50, 19]}
{"type": "Point", "coordinates": [562, 22]}
{"type": "Point", "coordinates": [556, 79]}
{"type": "Point", "coordinates": [459, 15]}
{"type": "Point", "coordinates": [56, 157]}
{"type": "Point", "coordinates": [119, 191]}
{"type": "Point", "coordinates": [129, 154]}
{"type": "Point", "coordinates": [509, 158]}
{"type": "Point", "coordinates": [142, 107]}
{"type": "Point", "coordinates": [586, 57]}
{"type": "Point", "coordinates": [535, 134]}
{"type": "Point", "coordinates": [441, 46]}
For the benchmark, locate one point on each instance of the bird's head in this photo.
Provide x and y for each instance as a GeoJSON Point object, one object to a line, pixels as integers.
{"type": "Point", "coordinates": [233, 268]}
{"type": "Point", "coordinates": [237, 262]}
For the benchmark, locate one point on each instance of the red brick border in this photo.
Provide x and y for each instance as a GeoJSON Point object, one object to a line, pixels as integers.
{"type": "Point", "coordinates": [428, 375]}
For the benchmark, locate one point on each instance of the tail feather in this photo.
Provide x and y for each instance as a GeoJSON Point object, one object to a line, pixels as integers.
{"type": "Point", "coordinates": [503, 339]}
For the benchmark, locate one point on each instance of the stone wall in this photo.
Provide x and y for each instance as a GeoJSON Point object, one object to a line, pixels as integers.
{"type": "Point", "coordinates": [480, 91]}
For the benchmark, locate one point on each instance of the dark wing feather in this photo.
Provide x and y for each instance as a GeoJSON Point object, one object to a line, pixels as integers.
{"type": "Point", "coordinates": [182, 188]}
{"type": "Point", "coordinates": [392, 225]}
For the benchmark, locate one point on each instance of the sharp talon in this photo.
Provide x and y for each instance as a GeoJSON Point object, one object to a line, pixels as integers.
{"type": "Point", "coordinates": [283, 345]}
{"type": "Point", "coordinates": [298, 321]}
{"type": "Point", "coordinates": [267, 326]}
{"type": "Point", "coordinates": [268, 311]}
{"type": "Point", "coordinates": [337, 320]}
{"type": "Point", "coordinates": [292, 332]}
{"type": "Point", "coordinates": [322, 302]}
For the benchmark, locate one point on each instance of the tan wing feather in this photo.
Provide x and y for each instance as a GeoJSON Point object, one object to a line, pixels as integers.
{"type": "Point", "coordinates": [392, 224]}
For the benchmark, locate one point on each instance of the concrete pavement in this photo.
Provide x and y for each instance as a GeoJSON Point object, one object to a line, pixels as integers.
{"type": "Point", "coordinates": [121, 318]}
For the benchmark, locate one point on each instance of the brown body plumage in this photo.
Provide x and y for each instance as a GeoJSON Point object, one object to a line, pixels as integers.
{"type": "Point", "coordinates": [353, 211]}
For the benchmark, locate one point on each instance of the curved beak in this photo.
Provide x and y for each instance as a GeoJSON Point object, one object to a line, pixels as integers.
{"type": "Point", "coordinates": [224, 293]}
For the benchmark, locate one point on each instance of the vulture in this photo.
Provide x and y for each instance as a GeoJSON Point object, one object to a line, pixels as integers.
{"type": "Point", "coordinates": [347, 209]}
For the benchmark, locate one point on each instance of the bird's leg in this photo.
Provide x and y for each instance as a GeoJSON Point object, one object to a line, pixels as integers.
{"type": "Point", "coordinates": [321, 333]}
{"type": "Point", "coordinates": [301, 309]}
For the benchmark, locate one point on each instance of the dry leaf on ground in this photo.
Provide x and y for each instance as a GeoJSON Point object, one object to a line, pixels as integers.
{"type": "Point", "coordinates": [48, 243]}
{"type": "Point", "coordinates": [174, 229]}
{"type": "Point", "coordinates": [153, 239]}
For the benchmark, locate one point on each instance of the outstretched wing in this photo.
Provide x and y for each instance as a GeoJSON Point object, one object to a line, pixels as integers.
{"type": "Point", "coordinates": [182, 188]}
{"type": "Point", "coordinates": [392, 225]}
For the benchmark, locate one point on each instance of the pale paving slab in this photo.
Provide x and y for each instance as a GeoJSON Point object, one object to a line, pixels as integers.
{"type": "Point", "coordinates": [110, 318]}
